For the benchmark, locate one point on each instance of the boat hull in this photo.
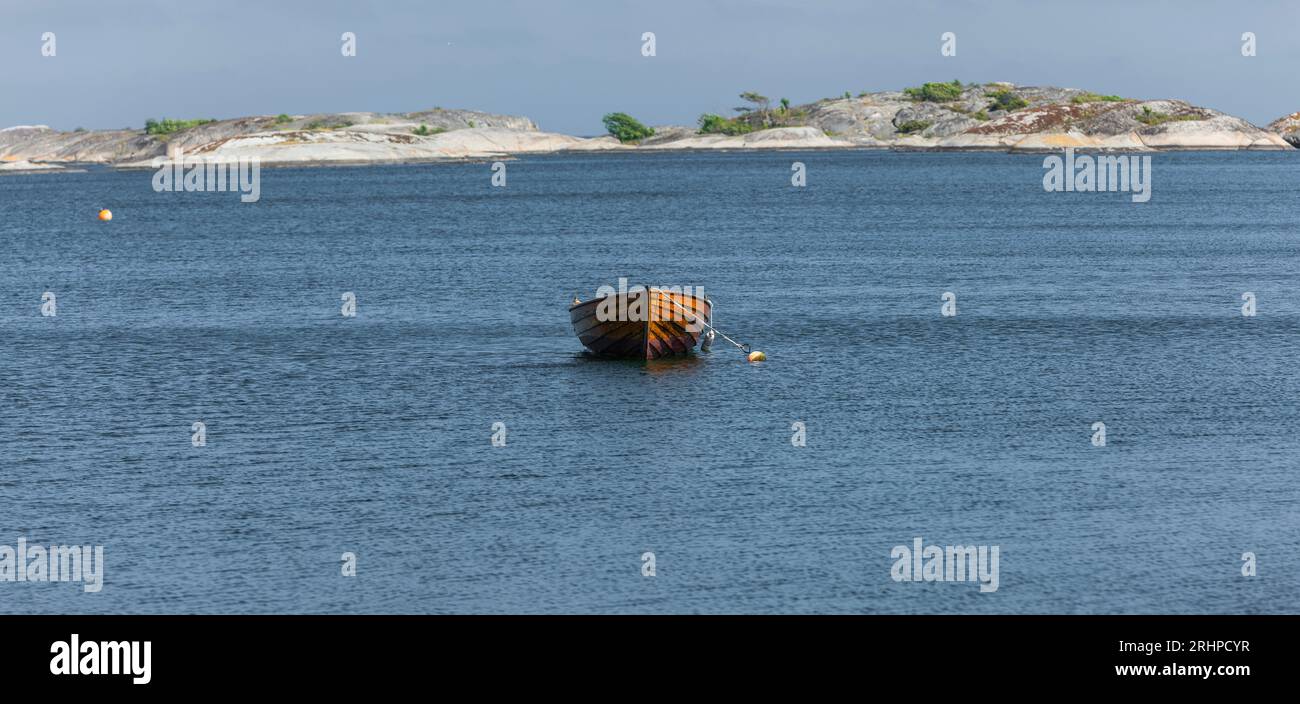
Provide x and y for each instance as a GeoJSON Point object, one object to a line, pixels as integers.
{"type": "Point", "coordinates": [663, 323]}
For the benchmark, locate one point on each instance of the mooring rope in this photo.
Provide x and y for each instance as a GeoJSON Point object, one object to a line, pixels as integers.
{"type": "Point", "coordinates": [696, 318]}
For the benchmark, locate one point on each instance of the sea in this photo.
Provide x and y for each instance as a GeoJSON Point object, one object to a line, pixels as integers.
{"type": "Point", "coordinates": [1102, 392]}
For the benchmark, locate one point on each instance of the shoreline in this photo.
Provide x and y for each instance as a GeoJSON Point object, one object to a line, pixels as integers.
{"type": "Point", "coordinates": [86, 166]}
{"type": "Point", "coordinates": [936, 117]}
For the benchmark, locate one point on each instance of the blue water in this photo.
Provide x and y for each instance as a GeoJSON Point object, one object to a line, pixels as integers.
{"type": "Point", "coordinates": [371, 434]}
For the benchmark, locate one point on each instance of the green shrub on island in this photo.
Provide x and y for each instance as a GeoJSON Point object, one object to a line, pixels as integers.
{"type": "Point", "coordinates": [935, 92]}
{"type": "Point", "coordinates": [168, 126]}
{"type": "Point", "coordinates": [1151, 117]}
{"type": "Point", "coordinates": [425, 131]}
{"type": "Point", "coordinates": [323, 125]}
{"type": "Point", "coordinates": [1089, 97]}
{"type": "Point", "coordinates": [717, 124]}
{"type": "Point", "coordinates": [626, 128]}
{"type": "Point", "coordinates": [758, 115]}
{"type": "Point", "coordinates": [912, 126]}
{"type": "Point", "coordinates": [282, 118]}
{"type": "Point", "coordinates": [1006, 100]}
{"type": "Point", "coordinates": [982, 116]}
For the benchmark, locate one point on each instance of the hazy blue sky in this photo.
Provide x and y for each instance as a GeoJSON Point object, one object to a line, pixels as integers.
{"type": "Point", "coordinates": [565, 63]}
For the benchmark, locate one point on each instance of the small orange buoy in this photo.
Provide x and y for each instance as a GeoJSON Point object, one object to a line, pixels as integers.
{"type": "Point", "coordinates": [105, 215]}
{"type": "Point", "coordinates": [757, 356]}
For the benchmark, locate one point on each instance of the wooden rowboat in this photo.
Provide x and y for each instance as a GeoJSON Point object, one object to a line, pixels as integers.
{"type": "Point", "coordinates": [641, 323]}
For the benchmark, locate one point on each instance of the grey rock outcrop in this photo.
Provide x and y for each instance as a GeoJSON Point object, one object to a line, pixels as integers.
{"type": "Point", "coordinates": [1037, 118]}
{"type": "Point", "coordinates": [987, 116]}
{"type": "Point", "coordinates": [42, 144]}
{"type": "Point", "coordinates": [1287, 128]}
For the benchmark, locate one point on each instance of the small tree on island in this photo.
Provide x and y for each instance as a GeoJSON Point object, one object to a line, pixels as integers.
{"type": "Point", "coordinates": [762, 106]}
{"type": "Point", "coordinates": [626, 128]}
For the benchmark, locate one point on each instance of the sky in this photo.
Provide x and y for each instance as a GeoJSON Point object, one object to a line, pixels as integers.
{"type": "Point", "coordinates": [565, 63]}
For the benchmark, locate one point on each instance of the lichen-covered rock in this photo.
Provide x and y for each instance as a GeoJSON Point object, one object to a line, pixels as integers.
{"type": "Point", "coordinates": [933, 120]}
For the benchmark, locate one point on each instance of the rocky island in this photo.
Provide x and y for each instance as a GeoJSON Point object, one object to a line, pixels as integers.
{"type": "Point", "coordinates": [933, 116]}
{"type": "Point", "coordinates": [1288, 128]}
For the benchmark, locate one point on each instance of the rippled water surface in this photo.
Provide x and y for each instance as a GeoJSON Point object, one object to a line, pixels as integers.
{"type": "Point", "coordinates": [372, 435]}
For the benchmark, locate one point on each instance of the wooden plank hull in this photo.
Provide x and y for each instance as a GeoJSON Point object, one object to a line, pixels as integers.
{"type": "Point", "coordinates": [662, 323]}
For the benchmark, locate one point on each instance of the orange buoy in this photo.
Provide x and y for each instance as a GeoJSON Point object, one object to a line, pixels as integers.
{"type": "Point", "coordinates": [105, 215]}
{"type": "Point", "coordinates": [757, 356]}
